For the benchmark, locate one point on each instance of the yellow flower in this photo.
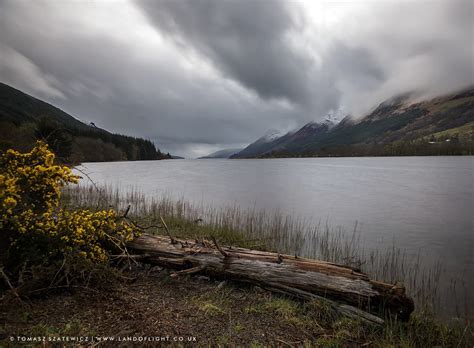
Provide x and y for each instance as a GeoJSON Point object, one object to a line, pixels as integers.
{"type": "Point", "coordinates": [9, 202]}
{"type": "Point", "coordinates": [30, 192]}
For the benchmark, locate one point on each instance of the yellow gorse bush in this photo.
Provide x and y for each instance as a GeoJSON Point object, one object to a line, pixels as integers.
{"type": "Point", "coordinates": [33, 224]}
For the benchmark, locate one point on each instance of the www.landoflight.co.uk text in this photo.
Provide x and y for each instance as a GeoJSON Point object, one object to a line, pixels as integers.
{"type": "Point", "coordinates": [86, 339]}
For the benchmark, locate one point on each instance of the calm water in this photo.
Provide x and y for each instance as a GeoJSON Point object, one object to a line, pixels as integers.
{"type": "Point", "coordinates": [423, 205]}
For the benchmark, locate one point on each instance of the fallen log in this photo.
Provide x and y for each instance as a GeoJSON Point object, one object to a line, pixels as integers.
{"type": "Point", "coordinates": [344, 288]}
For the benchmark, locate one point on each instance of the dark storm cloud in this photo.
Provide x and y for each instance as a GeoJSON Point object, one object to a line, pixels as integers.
{"type": "Point", "coordinates": [258, 44]}
{"type": "Point", "coordinates": [199, 75]}
{"type": "Point", "coordinates": [247, 41]}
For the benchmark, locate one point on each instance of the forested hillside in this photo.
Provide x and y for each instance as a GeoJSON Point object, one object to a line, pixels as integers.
{"type": "Point", "coordinates": [25, 119]}
{"type": "Point", "coordinates": [397, 127]}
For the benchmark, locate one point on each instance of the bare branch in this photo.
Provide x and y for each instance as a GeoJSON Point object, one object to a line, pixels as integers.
{"type": "Point", "coordinates": [173, 241]}
{"type": "Point", "coordinates": [126, 211]}
{"type": "Point", "coordinates": [7, 280]}
{"type": "Point", "coordinates": [189, 271]}
{"type": "Point", "coordinates": [218, 247]}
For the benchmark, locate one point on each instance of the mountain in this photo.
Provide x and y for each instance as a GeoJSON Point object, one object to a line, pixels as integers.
{"type": "Point", "coordinates": [277, 142]}
{"type": "Point", "coordinates": [262, 145]}
{"type": "Point", "coordinates": [225, 153]}
{"type": "Point", "coordinates": [25, 119]}
{"type": "Point", "coordinates": [396, 127]}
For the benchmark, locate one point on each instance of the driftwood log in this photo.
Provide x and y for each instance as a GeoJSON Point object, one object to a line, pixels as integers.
{"type": "Point", "coordinates": [345, 289]}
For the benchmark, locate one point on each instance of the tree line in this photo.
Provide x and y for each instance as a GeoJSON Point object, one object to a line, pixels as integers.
{"type": "Point", "coordinates": [77, 144]}
{"type": "Point", "coordinates": [398, 148]}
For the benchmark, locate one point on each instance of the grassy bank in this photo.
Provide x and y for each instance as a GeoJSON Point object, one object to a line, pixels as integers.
{"type": "Point", "coordinates": [257, 229]}
{"type": "Point", "coordinates": [157, 305]}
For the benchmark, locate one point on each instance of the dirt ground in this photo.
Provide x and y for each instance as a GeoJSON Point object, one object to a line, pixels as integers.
{"type": "Point", "coordinates": [158, 309]}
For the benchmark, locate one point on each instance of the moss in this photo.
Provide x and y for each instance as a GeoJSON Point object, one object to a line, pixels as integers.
{"type": "Point", "coordinates": [256, 344]}
{"type": "Point", "coordinates": [213, 302]}
{"type": "Point", "coordinates": [239, 328]}
{"type": "Point", "coordinates": [284, 307]}
{"type": "Point", "coordinates": [330, 342]}
{"type": "Point", "coordinates": [210, 308]}
{"type": "Point", "coordinates": [39, 330]}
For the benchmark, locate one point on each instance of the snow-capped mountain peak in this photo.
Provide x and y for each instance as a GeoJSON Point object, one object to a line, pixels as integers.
{"type": "Point", "coordinates": [271, 135]}
{"type": "Point", "coordinates": [336, 116]}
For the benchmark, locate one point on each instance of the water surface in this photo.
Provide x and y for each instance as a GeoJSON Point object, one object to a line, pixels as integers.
{"type": "Point", "coordinates": [423, 205]}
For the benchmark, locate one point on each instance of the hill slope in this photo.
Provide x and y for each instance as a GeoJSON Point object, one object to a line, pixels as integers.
{"type": "Point", "coordinates": [225, 153]}
{"type": "Point", "coordinates": [24, 119]}
{"type": "Point", "coordinates": [441, 126]}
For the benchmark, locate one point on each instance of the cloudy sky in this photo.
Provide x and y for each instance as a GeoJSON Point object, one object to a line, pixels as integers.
{"type": "Point", "coordinates": [196, 76]}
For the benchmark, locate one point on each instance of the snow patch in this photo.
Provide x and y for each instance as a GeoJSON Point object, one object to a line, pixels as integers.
{"type": "Point", "coordinates": [271, 135]}
{"type": "Point", "coordinates": [336, 116]}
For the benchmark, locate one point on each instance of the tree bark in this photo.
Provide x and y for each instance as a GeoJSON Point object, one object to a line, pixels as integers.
{"type": "Point", "coordinates": [344, 288]}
